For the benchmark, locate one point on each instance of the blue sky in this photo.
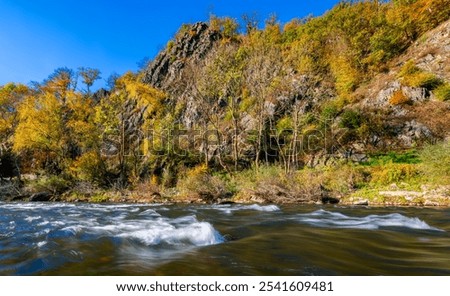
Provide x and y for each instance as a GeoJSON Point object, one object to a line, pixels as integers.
{"type": "Point", "coordinates": [39, 36]}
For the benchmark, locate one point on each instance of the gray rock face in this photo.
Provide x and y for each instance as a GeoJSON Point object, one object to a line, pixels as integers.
{"type": "Point", "coordinates": [193, 44]}
{"type": "Point", "coordinates": [433, 51]}
{"type": "Point", "coordinates": [99, 95]}
{"type": "Point", "coordinates": [382, 99]}
{"type": "Point", "coordinates": [413, 131]}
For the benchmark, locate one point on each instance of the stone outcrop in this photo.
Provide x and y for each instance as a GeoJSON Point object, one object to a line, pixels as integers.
{"type": "Point", "coordinates": [431, 52]}
{"type": "Point", "coordinates": [192, 43]}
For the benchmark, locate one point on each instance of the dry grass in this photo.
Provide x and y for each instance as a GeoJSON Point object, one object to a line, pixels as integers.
{"type": "Point", "coordinates": [435, 115]}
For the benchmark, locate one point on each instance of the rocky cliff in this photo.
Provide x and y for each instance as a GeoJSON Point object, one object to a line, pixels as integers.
{"type": "Point", "coordinates": [418, 118]}
{"type": "Point", "coordinates": [191, 44]}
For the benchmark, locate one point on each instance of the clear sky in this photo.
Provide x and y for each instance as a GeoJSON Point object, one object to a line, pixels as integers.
{"type": "Point", "coordinates": [38, 36]}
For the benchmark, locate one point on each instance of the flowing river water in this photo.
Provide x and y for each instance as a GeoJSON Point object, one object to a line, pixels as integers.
{"type": "Point", "coordinates": [141, 239]}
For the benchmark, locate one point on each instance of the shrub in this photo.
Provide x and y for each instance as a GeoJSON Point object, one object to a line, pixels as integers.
{"type": "Point", "coordinates": [53, 184]}
{"type": "Point", "coordinates": [409, 68]}
{"type": "Point", "coordinates": [338, 179]}
{"type": "Point", "coordinates": [422, 79]}
{"type": "Point", "coordinates": [309, 182]}
{"type": "Point", "coordinates": [443, 92]}
{"type": "Point", "coordinates": [170, 45]}
{"type": "Point", "coordinates": [146, 189]}
{"type": "Point", "coordinates": [99, 198]}
{"type": "Point", "coordinates": [199, 183]}
{"type": "Point", "coordinates": [245, 183]}
{"type": "Point", "coordinates": [89, 167]}
{"type": "Point", "coordinates": [413, 76]}
{"type": "Point", "coordinates": [394, 173]}
{"type": "Point", "coordinates": [398, 98]}
{"type": "Point", "coordinates": [328, 113]}
{"type": "Point", "coordinates": [342, 179]}
{"type": "Point", "coordinates": [350, 119]}
{"type": "Point", "coordinates": [251, 178]}
{"type": "Point", "coordinates": [408, 157]}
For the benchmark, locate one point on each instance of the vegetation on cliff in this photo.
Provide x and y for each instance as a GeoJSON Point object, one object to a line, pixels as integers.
{"type": "Point", "coordinates": [316, 110]}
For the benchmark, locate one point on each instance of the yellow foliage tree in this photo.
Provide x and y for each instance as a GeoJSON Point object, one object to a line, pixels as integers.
{"type": "Point", "coordinates": [125, 118]}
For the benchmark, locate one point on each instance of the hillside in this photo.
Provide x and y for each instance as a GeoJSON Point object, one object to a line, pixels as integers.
{"type": "Point", "coordinates": [420, 112]}
{"type": "Point", "coordinates": [336, 108]}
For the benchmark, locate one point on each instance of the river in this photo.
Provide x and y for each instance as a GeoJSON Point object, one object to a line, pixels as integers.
{"type": "Point", "coordinates": [142, 239]}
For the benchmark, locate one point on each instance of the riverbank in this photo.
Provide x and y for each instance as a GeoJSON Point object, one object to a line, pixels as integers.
{"type": "Point", "coordinates": [427, 196]}
{"type": "Point", "coordinates": [409, 178]}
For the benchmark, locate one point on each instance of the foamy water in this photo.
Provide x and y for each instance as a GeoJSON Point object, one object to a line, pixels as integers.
{"type": "Point", "coordinates": [50, 228]}
{"type": "Point", "coordinates": [123, 221]}
{"type": "Point", "coordinates": [229, 209]}
{"type": "Point", "coordinates": [322, 218]}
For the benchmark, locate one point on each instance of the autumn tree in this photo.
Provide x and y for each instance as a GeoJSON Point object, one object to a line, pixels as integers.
{"type": "Point", "coordinates": [124, 119]}
{"type": "Point", "coordinates": [263, 71]}
{"type": "Point", "coordinates": [89, 76]}
{"type": "Point", "coordinates": [11, 96]}
{"type": "Point", "coordinates": [227, 26]}
{"type": "Point", "coordinates": [219, 85]}
{"type": "Point", "coordinates": [204, 98]}
{"type": "Point", "coordinates": [47, 123]}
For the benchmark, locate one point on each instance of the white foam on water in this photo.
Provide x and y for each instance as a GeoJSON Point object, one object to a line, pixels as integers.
{"type": "Point", "coordinates": [57, 223]}
{"type": "Point", "coordinates": [31, 219]}
{"type": "Point", "coordinates": [196, 234]}
{"type": "Point", "coordinates": [149, 212]}
{"type": "Point", "coordinates": [322, 218]}
{"type": "Point", "coordinates": [180, 231]}
{"type": "Point", "coordinates": [185, 219]}
{"type": "Point", "coordinates": [114, 228]}
{"type": "Point", "coordinates": [151, 231]}
{"type": "Point", "coordinates": [36, 205]}
{"type": "Point", "coordinates": [41, 244]}
{"type": "Point", "coordinates": [267, 208]}
{"type": "Point", "coordinates": [132, 223]}
{"type": "Point", "coordinates": [72, 230]}
{"type": "Point", "coordinates": [228, 209]}
{"type": "Point", "coordinates": [6, 235]}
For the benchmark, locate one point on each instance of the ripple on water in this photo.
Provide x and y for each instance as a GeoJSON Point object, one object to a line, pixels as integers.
{"type": "Point", "coordinates": [323, 218]}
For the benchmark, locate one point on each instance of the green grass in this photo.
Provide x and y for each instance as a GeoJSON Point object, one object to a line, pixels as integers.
{"type": "Point", "coordinates": [405, 157]}
{"type": "Point", "coordinates": [435, 163]}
